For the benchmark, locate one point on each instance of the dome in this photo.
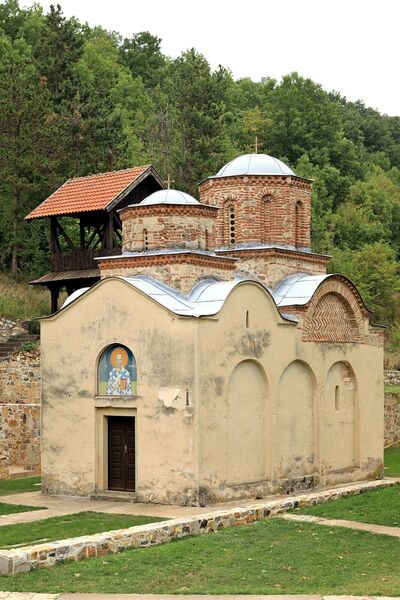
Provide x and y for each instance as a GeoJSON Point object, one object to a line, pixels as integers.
{"type": "Point", "coordinates": [254, 164]}
{"type": "Point", "coordinates": [168, 197]}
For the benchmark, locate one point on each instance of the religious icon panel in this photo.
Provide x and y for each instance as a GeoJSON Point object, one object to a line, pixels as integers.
{"type": "Point", "coordinates": [117, 372]}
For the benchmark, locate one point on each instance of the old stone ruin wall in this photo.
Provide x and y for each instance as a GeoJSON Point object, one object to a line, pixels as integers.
{"type": "Point", "coordinates": [392, 410]}
{"type": "Point", "coordinates": [20, 415]}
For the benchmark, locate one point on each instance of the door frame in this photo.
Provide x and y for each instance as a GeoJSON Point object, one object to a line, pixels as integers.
{"type": "Point", "coordinates": [123, 423]}
{"type": "Point", "coordinates": [101, 443]}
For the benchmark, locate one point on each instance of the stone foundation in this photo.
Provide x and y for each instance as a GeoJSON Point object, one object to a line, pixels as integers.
{"type": "Point", "coordinates": [19, 414]}
{"type": "Point", "coordinates": [25, 559]}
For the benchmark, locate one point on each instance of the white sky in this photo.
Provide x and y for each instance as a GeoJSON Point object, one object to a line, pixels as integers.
{"type": "Point", "coordinates": [351, 46]}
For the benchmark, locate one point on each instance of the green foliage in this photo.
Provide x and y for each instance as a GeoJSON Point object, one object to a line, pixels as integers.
{"type": "Point", "coordinates": [375, 271]}
{"type": "Point", "coordinates": [78, 100]}
{"type": "Point", "coordinates": [9, 509]}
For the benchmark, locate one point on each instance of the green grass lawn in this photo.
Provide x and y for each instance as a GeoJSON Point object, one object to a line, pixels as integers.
{"type": "Point", "coordinates": [68, 526]}
{"type": "Point", "coordinates": [18, 486]}
{"type": "Point", "coordinates": [8, 509]}
{"type": "Point", "coordinates": [392, 389]}
{"type": "Point", "coordinates": [380, 506]}
{"type": "Point", "coordinates": [269, 557]}
{"type": "Point", "coordinates": [392, 461]}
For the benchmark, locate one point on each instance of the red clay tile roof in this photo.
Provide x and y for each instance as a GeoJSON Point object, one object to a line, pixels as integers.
{"type": "Point", "coordinates": [83, 194]}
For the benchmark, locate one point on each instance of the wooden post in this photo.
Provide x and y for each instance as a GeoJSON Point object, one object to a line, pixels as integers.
{"type": "Point", "coordinates": [110, 232]}
{"type": "Point", "coordinates": [82, 234]}
{"type": "Point", "coordinates": [55, 247]}
{"type": "Point", "coordinates": [55, 292]}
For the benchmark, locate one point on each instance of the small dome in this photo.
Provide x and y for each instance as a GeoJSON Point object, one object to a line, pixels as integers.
{"type": "Point", "coordinates": [168, 197]}
{"type": "Point", "coordinates": [254, 164]}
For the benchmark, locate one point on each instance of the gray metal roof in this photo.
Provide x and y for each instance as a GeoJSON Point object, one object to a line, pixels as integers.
{"type": "Point", "coordinates": [168, 197]}
{"type": "Point", "coordinates": [166, 251]}
{"type": "Point", "coordinates": [297, 289]}
{"type": "Point", "coordinates": [205, 299]}
{"type": "Point", "coordinates": [254, 164]}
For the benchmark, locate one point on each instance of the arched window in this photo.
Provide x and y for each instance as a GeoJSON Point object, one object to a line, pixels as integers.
{"type": "Point", "coordinates": [298, 224]}
{"type": "Point", "coordinates": [266, 219]}
{"type": "Point", "coordinates": [117, 372]}
{"type": "Point", "coordinates": [145, 240]}
{"type": "Point", "coordinates": [232, 232]}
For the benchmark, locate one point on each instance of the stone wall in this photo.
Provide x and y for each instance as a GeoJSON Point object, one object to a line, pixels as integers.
{"type": "Point", "coordinates": [156, 227]}
{"type": "Point", "coordinates": [180, 271]}
{"type": "Point", "coordinates": [20, 414]}
{"type": "Point", "coordinates": [392, 419]}
{"type": "Point", "coordinates": [22, 560]}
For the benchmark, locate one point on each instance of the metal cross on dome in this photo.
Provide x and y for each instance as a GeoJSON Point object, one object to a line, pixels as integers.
{"type": "Point", "coordinates": [256, 145]}
{"type": "Point", "coordinates": [168, 181]}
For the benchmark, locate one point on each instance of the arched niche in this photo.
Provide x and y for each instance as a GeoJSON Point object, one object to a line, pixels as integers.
{"type": "Point", "coordinates": [116, 375]}
{"type": "Point", "coordinates": [246, 436]}
{"type": "Point", "coordinates": [339, 418]}
{"type": "Point", "coordinates": [295, 445]}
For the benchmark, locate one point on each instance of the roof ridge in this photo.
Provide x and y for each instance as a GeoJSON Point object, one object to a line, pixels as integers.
{"type": "Point", "coordinates": [109, 172]}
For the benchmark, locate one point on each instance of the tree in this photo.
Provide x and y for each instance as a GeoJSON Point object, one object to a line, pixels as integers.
{"type": "Point", "coordinates": [28, 156]}
{"type": "Point", "coordinates": [375, 272]}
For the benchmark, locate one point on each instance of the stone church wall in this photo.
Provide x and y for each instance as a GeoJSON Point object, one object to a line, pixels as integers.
{"type": "Point", "coordinates": [20, 384]}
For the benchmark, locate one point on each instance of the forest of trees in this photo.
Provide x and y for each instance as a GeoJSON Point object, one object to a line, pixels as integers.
{"type": "Point", "coordinates": [77, 100]}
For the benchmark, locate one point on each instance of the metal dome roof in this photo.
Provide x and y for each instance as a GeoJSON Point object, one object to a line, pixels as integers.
{"type": "Point", "coordinates": [254, 164]}
{"type": "Point", "coordinates": [168, 197]}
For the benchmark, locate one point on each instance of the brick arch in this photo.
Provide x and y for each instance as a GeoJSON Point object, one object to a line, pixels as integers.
{"type": "Point", "coordinates": [335, 314]}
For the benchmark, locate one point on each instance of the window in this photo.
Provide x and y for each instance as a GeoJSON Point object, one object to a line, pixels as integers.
{"type": "Point", "coordinates": [247, 319]}
{"type": "Point", "coordinates": [337, 398]}
{"type": "Point", "coordinates": [232, 238]}
{"type": "Point", "coordinates": [145, 240]}
{"type": "Point", "coordinates": [266, 222]}
{"type": "Point", "coordinates": [117, 372]}
{"type": "Point", "coordinates": [298, 224]}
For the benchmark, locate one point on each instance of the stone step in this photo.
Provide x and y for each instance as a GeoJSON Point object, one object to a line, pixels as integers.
{"type": "Point", "coordinates": [109, 495]}
{"type": "Point", "coordinates": [17, 472]}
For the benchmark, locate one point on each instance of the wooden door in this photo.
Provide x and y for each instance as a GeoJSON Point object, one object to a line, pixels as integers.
{"type": "Point", "coordinates": [121, 453]}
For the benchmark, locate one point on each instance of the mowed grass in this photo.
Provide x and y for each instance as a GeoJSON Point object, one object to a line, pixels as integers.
{"type": "Point", "coordinates": [269, 557]}
{"type": "Point", "coordinates": [21, 301]}
{"type": "Point", "coordinates": [8, 509]}
{"type": "Point", "coordinates": [392, 389]}
{"type": "Point", "coordinates": [18, 486]}
{"type": "Point", "coordinates": [392, 461]}
{"type": "Point", "coordinates": [68, 526]}
{"type": "Point", "coordinates": [380, 506]}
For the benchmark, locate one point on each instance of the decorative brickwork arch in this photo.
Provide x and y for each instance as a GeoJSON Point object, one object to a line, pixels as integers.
{"type": "Point", "coordinates": [335, 313]}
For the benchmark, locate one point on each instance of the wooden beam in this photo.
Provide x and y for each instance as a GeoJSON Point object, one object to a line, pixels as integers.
{"type": "Point", "coordinates": [55, 247]}
{"type": "Point", "coordinates": [82, 234]}
{"type": "Point", "coordinates": [66, 236]}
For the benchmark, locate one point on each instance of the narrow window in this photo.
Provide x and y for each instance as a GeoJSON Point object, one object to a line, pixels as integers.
{"type": "Point", "coordinates": [247, 319]}
{"type": "Point", "coordinates": [266, 223]}
{"type": "Point", "coordinates": [298, 225]}
{"type": "Point", "coordinates": [231, 225]}
{"type": "Point", "coordinates": [145, 240]}
{"type": "Point", "coordinates": [206, 240]}
{"type": "Point", "coordinates": [337, 398]}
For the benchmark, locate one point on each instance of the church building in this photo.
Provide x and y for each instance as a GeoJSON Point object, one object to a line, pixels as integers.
{"type": "Point", "coordinates": [213, 358]}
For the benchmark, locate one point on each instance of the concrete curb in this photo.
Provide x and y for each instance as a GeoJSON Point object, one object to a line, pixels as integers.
{"type": "Point", "coordinates": [24, 559]}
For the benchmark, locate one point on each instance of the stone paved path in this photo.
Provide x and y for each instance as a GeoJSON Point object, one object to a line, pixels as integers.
{"type": "Point", "coordinates": [370, 527]}
{"type": "Point", "coordinates": [57, 506]}
{"type": "Point", "coordinates": [27, 596]}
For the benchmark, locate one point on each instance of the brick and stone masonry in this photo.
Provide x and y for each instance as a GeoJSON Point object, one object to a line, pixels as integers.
{"type": "Point", "coordinates": [20, 414]}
